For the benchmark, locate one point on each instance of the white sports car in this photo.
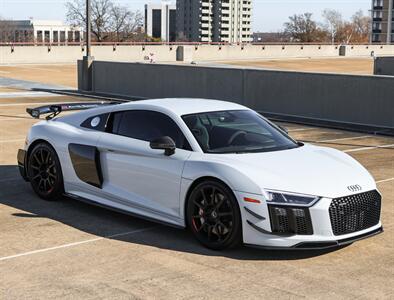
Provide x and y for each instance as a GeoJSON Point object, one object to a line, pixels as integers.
{"type": "Point", "coordinates": [218, 168]}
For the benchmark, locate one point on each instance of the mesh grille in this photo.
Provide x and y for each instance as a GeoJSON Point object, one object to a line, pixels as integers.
{"type": "Point", "coordinates": [290, 220]}
{"type": "Point", "coordinates": [354, 213]}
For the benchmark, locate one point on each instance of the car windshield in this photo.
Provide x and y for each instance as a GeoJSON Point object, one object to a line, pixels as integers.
{"type": "Point", "coordinates": [238, 131]}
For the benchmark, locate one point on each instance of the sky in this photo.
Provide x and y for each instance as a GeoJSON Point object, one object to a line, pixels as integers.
{"type": "Point", "coordinates": [268, 15]}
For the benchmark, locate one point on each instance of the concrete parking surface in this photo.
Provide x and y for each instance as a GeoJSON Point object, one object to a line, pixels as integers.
{"type": "Point", "coordinates": [73, 250]}
{"type": "Point", "coordinates": [358, 66]}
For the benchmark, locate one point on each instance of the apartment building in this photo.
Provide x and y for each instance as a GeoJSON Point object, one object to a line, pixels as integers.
{"type": "Point", "coordinates": [160, 21]}
{"type": "Point", "coordinates": [382, 21]}
{"type": "Point", "coordinates": [214, 21]}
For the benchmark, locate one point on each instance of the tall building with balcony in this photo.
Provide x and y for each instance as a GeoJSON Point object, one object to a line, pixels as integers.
{"type": "Point", "coordinates": [214, 21]}
{"type": "Point", "coordinates": [382, 21]}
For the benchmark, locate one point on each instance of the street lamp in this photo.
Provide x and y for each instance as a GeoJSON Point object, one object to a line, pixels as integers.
{"type": "Point", "coordinates": [87, 62]}
{"type": "Point", "coordinates": [88, 29]}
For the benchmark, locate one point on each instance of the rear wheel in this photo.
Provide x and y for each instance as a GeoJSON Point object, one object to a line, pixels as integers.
{"type": "Point", "coordinates": [213, 216]}
{"type": "Point", "coordinates": [44, 172]}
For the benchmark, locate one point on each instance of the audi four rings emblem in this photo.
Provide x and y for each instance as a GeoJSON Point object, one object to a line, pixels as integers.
{"type": "Point", "coordinates": [354, 188]}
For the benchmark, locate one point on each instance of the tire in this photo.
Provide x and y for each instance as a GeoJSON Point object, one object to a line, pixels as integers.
{"type": "Point", "coordinates": [213, 216]}
{"type": "Point", "coordinates": [45, 173]}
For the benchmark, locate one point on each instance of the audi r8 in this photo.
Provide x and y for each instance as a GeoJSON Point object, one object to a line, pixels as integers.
{"type": "Point", "coordinates": [220, 169]}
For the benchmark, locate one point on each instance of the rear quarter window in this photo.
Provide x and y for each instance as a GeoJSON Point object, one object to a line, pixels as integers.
{"type": "Point", "coordinates": [98, 122]}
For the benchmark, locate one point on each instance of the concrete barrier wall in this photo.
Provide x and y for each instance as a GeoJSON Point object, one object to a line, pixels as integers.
{"type": "Point", "coordinates": [341, 99]}
{"type": "Point", "coordinates": [70, 54]}
{"type": "Point", "coordinates": [209, 52]}
{"type": "Point", "coordinates": [384, 66]}
{"type": "Point", "coordinates": [166, 53]}
{"type": "Point", "coordinates": [368, 50]}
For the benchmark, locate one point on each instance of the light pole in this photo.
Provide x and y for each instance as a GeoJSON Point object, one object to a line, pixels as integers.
{"type": "Point", "coordinates": [87, 62]}
{"type": "Point", "coordinates": [88, 29]}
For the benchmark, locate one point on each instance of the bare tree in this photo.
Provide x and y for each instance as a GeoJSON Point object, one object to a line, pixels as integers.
{"type": "Point", "coordinates": [7, 31]}
{"type": "Point", "coordinates": [334, 23]}
{"type": "Point", "coordinates": [301, 28]}
{"type": "Point", "coordinates": [110, 22]}
{"type": "Point", "coordinates": [357, 30]}
{"type": "Point", "coordinates": [101, 15]}
{"type": "Point", "coordinates": [361, 27]}
{"type": "Point", "coordinates": [124, 23]}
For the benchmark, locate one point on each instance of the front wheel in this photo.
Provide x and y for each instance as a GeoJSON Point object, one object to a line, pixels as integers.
{"type": "Point", "coordinates": [213, 216]}
{"type": "Point", "coordinates": [44, 172]}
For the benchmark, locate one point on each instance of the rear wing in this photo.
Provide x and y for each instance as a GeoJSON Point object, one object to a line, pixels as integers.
{"type": "Point", "coordinates": [54, 109]}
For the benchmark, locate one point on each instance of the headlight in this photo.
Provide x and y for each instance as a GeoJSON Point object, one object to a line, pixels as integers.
{"type": "Point", "coordinates": [280, 198]}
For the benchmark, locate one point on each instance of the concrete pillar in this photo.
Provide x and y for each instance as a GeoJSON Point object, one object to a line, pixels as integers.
{"type": "Point", "coordinates": [184, 53]}
{"type": "Point", "coordinates": [87, 73]}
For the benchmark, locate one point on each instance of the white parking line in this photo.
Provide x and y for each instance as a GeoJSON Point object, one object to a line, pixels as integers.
{"type": "Point", "coordinates": [368, 148]}
{"type": "Point", "coordinates": [11, 140]}
{"type": "Point", "coordinates": [16, 118]}
{"type": "Point", "coordinates": [385, 180]}
{"type": "Point", "coordinates": [345, 139]}
{"type": "Point", "coordinates": [76, 243]}
{"type": "Point", "coordinates": [301, 129]}
{"type": "Point", "coordinates": [8, 95]}
{"type": "Point", "coordinates": [35, 103]}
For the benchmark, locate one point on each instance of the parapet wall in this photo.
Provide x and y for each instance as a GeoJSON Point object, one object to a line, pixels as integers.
{"type": "Point", "coordinates": [70, 54]}
{"type": "Point", "coordinates": [168, 53]}
{"type": "Point", "coordinates": [346, 100]}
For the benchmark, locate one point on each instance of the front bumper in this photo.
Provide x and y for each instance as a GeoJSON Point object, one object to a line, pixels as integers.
{"type": "Point", "coordinates": [322, 245]}
{"type": "Point", "coordinates": [258, 231]}
{"type": "Point", "coordinates": [21, 157]}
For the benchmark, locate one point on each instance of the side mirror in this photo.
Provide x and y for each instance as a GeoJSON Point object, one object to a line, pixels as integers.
{"type": "Point", "coordinates": [164, 143]}
{"type": "Point", "coordinates": [283, 129]}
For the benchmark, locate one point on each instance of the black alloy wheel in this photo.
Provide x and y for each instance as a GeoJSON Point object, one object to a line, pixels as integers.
{"type": "Point", "coordinates": [44, 172]}
{"type": "Point", "coordinates": [213, 216]}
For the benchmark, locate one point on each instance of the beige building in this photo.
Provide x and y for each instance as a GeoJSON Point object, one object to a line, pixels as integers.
{"type": "Point", "coordinates": [160, 21]}
{"type": "Point", "coordinates": [214, 20]}
{"type": "Point", "coordinates": [382, 21]}
{"type": "Point", "coordinates": [39, 31]}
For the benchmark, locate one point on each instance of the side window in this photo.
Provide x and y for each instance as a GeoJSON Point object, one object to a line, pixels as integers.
{"type": "Point", "coordinates": [98, 122]}
{"type": "Point", "coordinates": [148, 125]}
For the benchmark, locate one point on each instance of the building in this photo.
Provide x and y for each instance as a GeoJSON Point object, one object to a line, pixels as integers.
{"type": "Point", "coordinates": [382, 21]}
{"type": "Point", "coordinates": [160, 21]}
{"type": "Point", "coordinates": [214, 20]}
{"type": "Point", "coordinates": [39, 31]}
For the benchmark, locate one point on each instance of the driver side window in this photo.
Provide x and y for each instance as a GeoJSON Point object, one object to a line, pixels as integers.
{"type": "Point", "coordinates": [147, 126]}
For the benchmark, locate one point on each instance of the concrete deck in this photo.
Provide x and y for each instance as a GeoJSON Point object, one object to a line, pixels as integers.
{"type": "Point", "coordinates": [73, 250]}
{"type": "Point", "coordinates": [357, 66]}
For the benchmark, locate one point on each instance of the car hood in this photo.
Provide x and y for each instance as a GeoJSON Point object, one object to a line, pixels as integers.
{"type": "Point", "coordinates": [309, 169]}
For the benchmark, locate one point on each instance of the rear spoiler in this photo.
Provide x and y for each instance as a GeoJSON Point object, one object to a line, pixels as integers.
{"type": "Point", "coordinates": [54, 109]}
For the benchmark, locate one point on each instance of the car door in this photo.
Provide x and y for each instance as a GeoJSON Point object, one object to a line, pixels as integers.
{"type": "Point", "coordinates": [135, 174]}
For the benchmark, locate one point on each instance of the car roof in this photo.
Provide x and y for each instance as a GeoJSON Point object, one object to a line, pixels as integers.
{"type": "Point", "coordinates": [182, 106]}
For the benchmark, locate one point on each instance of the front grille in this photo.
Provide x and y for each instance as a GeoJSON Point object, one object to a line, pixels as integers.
{"type": "Point", "coordinates": [290, 220]}
{"type": "Point", "coordinates": [354, 213]}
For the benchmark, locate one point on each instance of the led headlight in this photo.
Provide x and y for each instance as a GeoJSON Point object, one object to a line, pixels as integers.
{"type": "Point", "coordinates": [280, 198]}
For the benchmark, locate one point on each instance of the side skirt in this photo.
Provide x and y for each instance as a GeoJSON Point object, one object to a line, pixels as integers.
{"type": "Point", "coordinates": [125, 212]}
